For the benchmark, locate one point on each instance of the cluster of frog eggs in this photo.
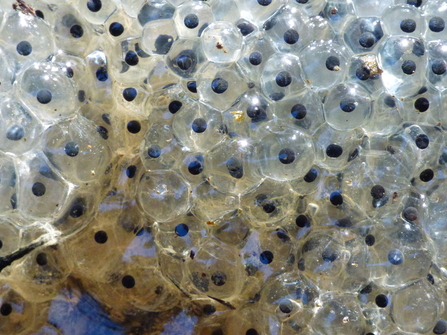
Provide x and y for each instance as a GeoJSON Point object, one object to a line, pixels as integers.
{"type": "Point", "coordinates": [271, 166]}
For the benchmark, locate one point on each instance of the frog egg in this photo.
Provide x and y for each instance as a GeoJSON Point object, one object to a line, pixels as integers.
{"type": "Point", "coordinates": [347, 106]}
{"type": "Point", "coordinates": [412, 22]}
{"type": "Point", "coordinates": [166, 189]}
{"type": "Point", "coordinates": [435, 15]}
{"type": "Point", "coordinates": [232, 167]}
{"type": "Point", "coordinates": [286, 155]}
{"type": "Point", "coordinates": [193, 167]}
{"type": "Point", "coordinates": [363, 34]}
{"type": "Point", "coordinates": [20, 127]}
{"type": "Point", "coordinates": [34, 42]}
{"type": "Point", "coordinates": [158, 37]}
{"type": "Point", "coordinates": [198, 127]}
{"type": "Point", "coordinates": [68, 145]}
{"type": "Point", "coordinates": [72, 31]}
{"type": "Point", "coordinates": [43, 192]}
{"type": "Point", "coordinates": [221, 42]}
{"type": "Point", "coordinates": [96, 11]}
{"type": "Point", "coordinates": [288, 30]}
{"type": "Point", "coordinates": [154, 11]}
{"type": "Point", "coordinates": [47, 91]}
{"type": "Point", "coordinates": [281, 76]}
{"type": "Point", "coordinates": [386, 117]}
{"type": "Point", "coordinates": [437, 63]}
{"type": "Point", "coordinates": [215, 271]}
{"type": "Point", "coordinates": [338, 13]}
{"type": "Point", "coordinates": [192, 18]}
{"type": "Point", "coordinates": [324, 64]}
{"type": "Point", "coordinates": [403, 61]}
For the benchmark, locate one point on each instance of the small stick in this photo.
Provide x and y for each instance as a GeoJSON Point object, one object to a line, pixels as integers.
{"type": "Point", "coordinates": [23, 7]}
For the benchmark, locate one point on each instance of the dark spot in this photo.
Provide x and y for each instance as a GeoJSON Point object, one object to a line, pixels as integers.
{"type": "Point", "coordinates": [286, 306]}
{"type": "Point", "coordinates": [163, 44]}
{"type": "Point", "coordinates": [436, 24]}
{"type": "Point", "coordinates": [71, 149]}
{"type": "Point", "coordinates": [298, 111]}
{"type": "Point", "coordinates": [131, 58]}
{"type": "Point", "coordinates": [181, 229]}
{"type": "Point", "coordinates": [116, 29]}
{"type": "Point", "coordinates": [367, 39]}
{"type": "Point", "coordinates": [267, 205]}
{"type": "Point", "coordinates": [302, 221]}
{"type": "Point", "coordinates": [353, 155]}
{"type": "Point", "coordinates": [377, 191]}
{"type": "Point", "coordinates": [422, 141]}
{"type": "Point", "coordinates": [390, 101]}
{"type": "Point", "coordinates": [382, 300]}
{"type": "Point", "coordinates": [348, 105]}
{"type": "Point", "coordinates": [219, 85]}
{"type": "Point", "coordinates": [264, 2]}
{"type": "Point", "coordinates": [174, 106]}
{"type": "Point", "coordinates": [69, 72]}
{"type": "Point", "coordinates": [101, 74]}
{"type": "Point", "coordinates": [408, 25]}
{"type": "Point", "coordinates": [301, 264]}
{"type": "Point", "coordinates": [234, 166]}
{"type": "Point", "coordinates": [15, 132]}
{"type": "Point", "coordinates": [282, 235]}
{"type": "Point", "coordinates": [81, 95]}
{"type": "Point", "coordinates": [209, 309]}
{"type": "Point", "coordinates": [395, 257]}
{"type": "Point", "coordinates": [328, 255]}
{"type": "Point", "coordinates": [129, 94]}
{"type": "Point", "coordinates": [199, 125]}
{"type": "Point", "coordinates": [42, 259]}
{"type": "Point", "coordinates": [336, 198]}
{"type": "Point", "coordinates": [363, 73]}
{"type": "Point", "coordinates": [77, 31]}
{"type": "Point", "coordinates": [344, 223]}
{"type": "Point", "coordinates": [184, 62]}
{"type": "Point", "coordinates": [409, 67]}
{"type": "Point", "coordinates": [133, 127]}
{"type": "Point", "coordinates": [38, 189]}
{"type": "Point", "coordinates": [283, 79]}
{"type": "Point", "coordinates": [366, 290]}
{"type": "Point", "coordinates": [219, 278]}
{"type": "Point", "coordinates": [195, 167]}
{"type": "Point", "coordinates": [333, 63]}
{"type": "Point", "coordinates": [6, 309]}
{"type": "Point", "coordinates": [154, 151]}
{"type": "Point", "coordinates": [40, 14]}
{"type": "Point", "coordinates": [439, 67]}
{"type": "Point", "coordinates": [246, 28]}
{"type": "Point", "coordinates": [286, 156]}
{"type": "Point", "coordinates": [370, 240]}
{"type": "Point", "coordinates": [128, 281]}
{"type": "Point", "coordinates": [410, 214]}
{"type": "Point", "coordinates": [131, 171]}
{"type": "Point", "coordinates": [24, 48]}
{"type": "Point", "coordinates": [101, 237]}
{"type": "Point", "coordinates": [440, 327]}
{"type": "Point", "coordinates": [44, 96]}
{"type": "Point", "coordinates": [291, 36]}
{"type": "Point", "coordinates": [266, 257]}
{"type": "Point", "coordinates": [431, 279]}
{"type": "Point", "coordinates": [426, 175]}
{"type": "Point", "coordinates": [311, 176]}
{"type": "Point", "coordinates": [256, 113]}
{"type": "Point", "coordinates": [415, 3]}
{"type": "Point", "coordinates": [422, 104]}
{"type": "Point", "coordinates": [103, 132]}
{"type": "Point", "coordinates": [94, 5]}
{"type": "Point", "coordinates": [192, 86]}
{"type": "Point", "coordinates": [334, 150]}
{"type": "Point", "coordinates": [191, 21]}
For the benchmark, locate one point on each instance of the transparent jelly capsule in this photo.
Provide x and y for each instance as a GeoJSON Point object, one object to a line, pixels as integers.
{"type": "Point", "coordinates": [209, 204]}
{"type": "Point", "coordinates": [386, 117]}
{"type": "Point", "coordinates": [403, 61]}
{"type": "Point", "coordinates": [363, 34]}
{"type": "Point", "coordinates": [158, 37]}
{"type": "Point", "coordinates": [269, 203]}
{"type": "Point", "coordinates": [44, 271]}
{"type": "Point", "coordinates": [26, 38]}
{"type": "Point", "coordinates": [220, 85]}
{"type": "Point", "coordinates": [369, 8]}
{"type": "Point", "coordinates": [310, 7]}
{"type": "Point", "coordinates": [364, 70]}
{"type": "Point", "coordinates": [232, 167]}
{"type": "Point", "coordinates": [435, 14]}
{"type": "Point", "coordinates": [72, 32]}
{"type": "Point", "coordinates": [226, 10]}
{"type": "Point", "coordinates": [185, 57]}
{"type": "Point", "coordinates": [303, 111]}
{"type": "Point", "coordinates": [215, 271]}
{"type": "Point", "coordinates": [182, 236]}
{"type": "Point", "coordinates": [153, 10]}
{"type": "Point", "coordinates": [249, 117]}
{"type": "Point", "coordinates": [347, 106]}
{"type": "Point", "coordinates": [43, 192]}
{"type": "Point", "coordinates": [324, 64]}
{"type": "Point", "coordinates": [192, 167]}
{"type": "Point", "coordinates": [423, 107]}
{"type": "Point", "coordinates": [338, 13]}
{"type": "Point", "coordinates": [339, 314]}
{"type": "Point", "coordinates": [288, 30]}
{"type": "Point", "coordinates": [18, 314]}
{"type": "Point", "coordinates": [407, 312]}
{"type": "Point", "coordinates": [404, 20]}
{"type": "Point", "coordinates": [72, 144]}
{"type": "Point", "coordinates": [198, 127]}
{"type": "Point", "coordinates": [160, 75]}
{"type": "Point", "coordinates": [232, 228]}
{"type": "Point", "coordinates": [437, 64]}
{"type": "Point", "coordinates": [8, 184]}
{"type": "Point", "coordinates": [191, 18]}
{"type": "Point", "coordinates": [268, 252]}
{"type": "Point", "coordinates": [281, 76]}
{"type": "Point", "coordinates": [258, 11]}
{"type": "Point", "coordinates": [10, 237]}
{"type": "Point", "coordinates": [6, 72]}
{"type": "Point", "coordinates": [221, 42]}
{"type": "Point", "coordinates": [96, 11]}
{"type": "Point", "coordinates": [336, 149]}
{"type": "Point", "coordinates": [285, 155]}
{"type": "Point", "coordinates": [163, 195]}
{"type": "Point", "coordinates": [20, 127]}
{"type": "Point", "coordinates": [47, 91]}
